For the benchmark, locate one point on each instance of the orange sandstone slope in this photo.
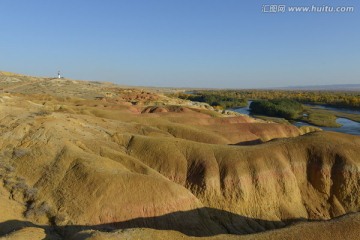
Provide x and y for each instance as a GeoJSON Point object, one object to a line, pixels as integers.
{"type": "Point", "coordinates": [71, 166]}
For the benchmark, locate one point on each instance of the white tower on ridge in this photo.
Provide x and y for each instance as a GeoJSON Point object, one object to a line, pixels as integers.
{"type": "Point", "coordinates": [59, 76]}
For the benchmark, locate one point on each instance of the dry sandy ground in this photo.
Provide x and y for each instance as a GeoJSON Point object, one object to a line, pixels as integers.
{"type": "Point", "coordinates": [88, 160]}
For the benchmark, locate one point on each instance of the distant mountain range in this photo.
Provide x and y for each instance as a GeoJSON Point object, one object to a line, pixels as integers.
{"type": "Point", "coordinates": [333, 87]}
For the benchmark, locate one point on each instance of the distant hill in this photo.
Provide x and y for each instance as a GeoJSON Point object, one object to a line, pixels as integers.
{"type": "Point", "coordinates": [4, 73]}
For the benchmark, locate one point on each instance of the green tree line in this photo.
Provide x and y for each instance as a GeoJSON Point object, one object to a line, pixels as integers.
{"type": "Point", "coordinates": [331, 98]}
{"type": "Point", "coordinates": [216, 99]}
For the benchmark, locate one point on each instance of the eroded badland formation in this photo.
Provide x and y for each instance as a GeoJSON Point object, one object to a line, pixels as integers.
{"type": "Point", "coordinates": [89, 160]}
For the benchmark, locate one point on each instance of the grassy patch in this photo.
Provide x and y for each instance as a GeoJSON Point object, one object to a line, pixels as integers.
{"type": "Point", "coordinates": [321, 119]}
{"type": "Point", "coordinates": [327, 118]}
{"type": "Point", "coordinates": [353, 117]}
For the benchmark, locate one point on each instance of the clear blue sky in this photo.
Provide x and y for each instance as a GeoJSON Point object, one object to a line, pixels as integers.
{"type": "Point", "coordinates": [190, 43]}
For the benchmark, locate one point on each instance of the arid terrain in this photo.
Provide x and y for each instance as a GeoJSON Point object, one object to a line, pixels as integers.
{"type": "Point", "coordinates": [92, 160]}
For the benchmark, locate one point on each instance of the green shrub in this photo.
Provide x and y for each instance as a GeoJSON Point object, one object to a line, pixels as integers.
{"type": "Point", "coordinates": [284, 108]}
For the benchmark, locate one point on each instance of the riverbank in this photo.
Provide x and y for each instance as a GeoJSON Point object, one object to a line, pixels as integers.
{"type": "Point", "coordinates": [334, 119]}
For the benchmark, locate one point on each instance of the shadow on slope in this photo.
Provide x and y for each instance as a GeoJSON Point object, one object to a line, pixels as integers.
{"type": "Point", "coordinates": [214, 222]}
{"type": "Point", "coordinates": [249, 143]}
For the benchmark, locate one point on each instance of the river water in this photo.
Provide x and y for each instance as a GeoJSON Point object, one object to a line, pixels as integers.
{"type": "Point", "coordinates": [348, 126]}
{"type": "Point", "coordinates": [344, 110]}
